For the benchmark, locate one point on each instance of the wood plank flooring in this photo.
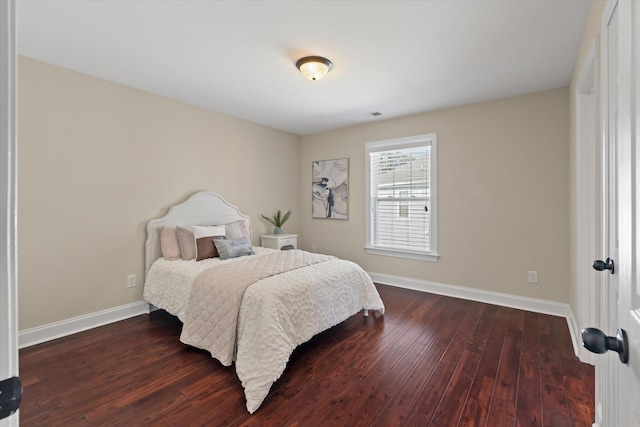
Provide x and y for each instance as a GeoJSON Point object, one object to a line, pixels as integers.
{"type": "Point", "coordinates": [429, 361]}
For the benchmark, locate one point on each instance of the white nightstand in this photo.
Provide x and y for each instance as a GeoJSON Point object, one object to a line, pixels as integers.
{"type": "Point", "coordinates": [277, 241]}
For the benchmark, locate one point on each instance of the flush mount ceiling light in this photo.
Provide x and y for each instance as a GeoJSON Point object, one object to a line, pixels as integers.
{"type": "Point", "coordinates": [314, 67]}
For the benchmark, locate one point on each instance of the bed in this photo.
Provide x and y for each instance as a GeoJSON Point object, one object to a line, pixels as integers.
{"type": "Point", "coordinates": [246, 305]}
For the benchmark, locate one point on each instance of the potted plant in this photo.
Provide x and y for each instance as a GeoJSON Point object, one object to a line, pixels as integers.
{"type": "Point", "coordinates": [278, 220]}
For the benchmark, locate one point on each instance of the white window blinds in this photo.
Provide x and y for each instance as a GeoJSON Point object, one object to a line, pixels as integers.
{"type": "Point", "coordinates": [400, 174]}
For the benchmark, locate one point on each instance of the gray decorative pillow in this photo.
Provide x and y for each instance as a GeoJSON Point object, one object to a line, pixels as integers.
{"type": "Point", "coordinates": [233, 248]}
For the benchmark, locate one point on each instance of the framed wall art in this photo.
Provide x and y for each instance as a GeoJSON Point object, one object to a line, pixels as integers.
{"type": "Point", "coordinates": [330, 189]}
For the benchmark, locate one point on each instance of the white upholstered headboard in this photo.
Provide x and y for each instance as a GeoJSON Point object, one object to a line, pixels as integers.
{"type": "Point", "coordinates": [202, 208]}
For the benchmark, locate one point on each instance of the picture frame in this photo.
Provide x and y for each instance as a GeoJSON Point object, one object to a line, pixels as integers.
{"type": "Point", "coordinates": [330, 189]}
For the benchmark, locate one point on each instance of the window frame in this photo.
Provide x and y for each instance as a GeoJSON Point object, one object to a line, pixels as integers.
{"type": "Point", "coordinates": [398, 144]}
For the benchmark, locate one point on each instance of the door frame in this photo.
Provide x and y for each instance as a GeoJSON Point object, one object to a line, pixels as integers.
{"type": "Point", "coordinates": [588, 195]}
{"type": "Point", "coordinates": [606, 370]}
{"type": "Point", "coordinates": [8, 199]}
{"type": "Point", "coordinates": [605, 390]}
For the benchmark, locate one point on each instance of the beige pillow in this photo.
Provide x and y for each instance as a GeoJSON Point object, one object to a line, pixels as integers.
{"type": "Point", "coordinates": [236, 230]}
{"type": "Point", "coordinates": [204, 237]}
{"type": "Point", "coordinates": [187, 243]}
{"type": "Point", "coordinates": [169, 243]}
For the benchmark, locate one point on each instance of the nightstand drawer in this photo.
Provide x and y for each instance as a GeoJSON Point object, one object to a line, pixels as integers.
{"type": "Point", "coordinates": [278, 241]}
{"type": "Point", "coordinates": [288, 241]}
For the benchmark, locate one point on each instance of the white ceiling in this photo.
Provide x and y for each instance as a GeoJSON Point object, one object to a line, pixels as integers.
{"type": "Point", "coordinates": [237, 57]}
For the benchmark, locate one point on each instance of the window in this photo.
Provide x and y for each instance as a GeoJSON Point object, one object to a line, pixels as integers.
{"type": "Point", "coordinates": [401, 197]}
{"type": "Point", "coordinates": [403, 204]}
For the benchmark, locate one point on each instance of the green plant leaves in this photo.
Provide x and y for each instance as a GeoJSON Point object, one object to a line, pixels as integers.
{"type": "Point", "coordinates": [278, 219]}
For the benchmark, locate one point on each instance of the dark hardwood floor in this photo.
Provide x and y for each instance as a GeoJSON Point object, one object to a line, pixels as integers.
{"type": "Point", "coordinates": [430, 361]}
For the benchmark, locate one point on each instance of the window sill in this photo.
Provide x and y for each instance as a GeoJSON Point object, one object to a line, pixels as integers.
{"type": "Point", "coordinates": [398, 253]}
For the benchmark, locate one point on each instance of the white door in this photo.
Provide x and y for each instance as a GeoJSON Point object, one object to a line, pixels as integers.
{"type": "Point", "coordinates": [8, 264]}
{"type": "Point", "coordinates": [617, 383]}
{"type": "Point", "coordinates": [629, 305]}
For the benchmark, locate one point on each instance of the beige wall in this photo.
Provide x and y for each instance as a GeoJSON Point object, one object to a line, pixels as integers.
{"type": "Point", "coordinates": [590, 34]}
{"type": "Point", "coordinates": [98, 160]}
{"type": "Point", "coordinates": [503, 189]}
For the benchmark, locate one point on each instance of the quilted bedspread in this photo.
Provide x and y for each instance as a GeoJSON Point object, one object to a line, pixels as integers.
{"type": "Point", "coordinates": [258, 309]}
{"type": "Point", "coordinates": [214, 302]}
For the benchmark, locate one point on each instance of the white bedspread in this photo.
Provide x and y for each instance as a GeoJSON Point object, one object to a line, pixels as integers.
{"type": "Point", "coordinates": [277, 313]}
{"type": "Point", "coordinates": [216, 295]}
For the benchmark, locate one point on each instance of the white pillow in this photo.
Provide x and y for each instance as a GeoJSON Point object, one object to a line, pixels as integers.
{"type": "Point", "coordinates": [207, 230]}
{"type": "Point", "coordinates": [203, 237]}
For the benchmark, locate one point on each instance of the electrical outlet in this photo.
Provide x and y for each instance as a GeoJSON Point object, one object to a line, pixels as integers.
{"type": "Point", "coordinates": [533, 277]}
{"type": "Point", "coordinates": [131, 281]}
{"type": "Point", "coordinates": [314, 248]}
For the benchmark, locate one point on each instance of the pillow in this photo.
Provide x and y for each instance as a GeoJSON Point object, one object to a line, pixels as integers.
{"type": "Point", "coordinates": [233, 248]}
{"type": "Point", "coordinates": [187, 243]}
{"type": "Point", "coordinates": [236, 230]}
{"type": "Point", "coordinates": [205, 248]}
{"type": "Point", "coordinates": [169, 243]}
{"type": "Point", "coordinates": [204, 237]}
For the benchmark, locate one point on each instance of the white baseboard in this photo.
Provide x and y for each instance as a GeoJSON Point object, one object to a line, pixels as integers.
{"type": "Point", "coordinates": [52, 331]}
{"type": "Point", "coordinates": [506, 300]}
{"type": "Point", "coordinates": [576, 338]}
{"type": "Point", "coordinates": [49, 332]}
